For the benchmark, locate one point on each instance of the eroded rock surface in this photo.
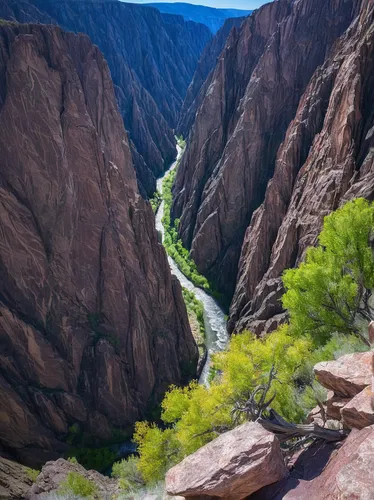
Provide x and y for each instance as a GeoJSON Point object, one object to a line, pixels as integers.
{"type": "Point", "coordinates": [325, 159]}
{"type": "Point", "coordinates": [240, 125]}
{"type": "Point", "coordinates": [54, 473]}
{"type": "Point", "coordinates": [232, 466]}
{"type": "Point", "coordinates": [14, 481]}
{"type": "Point", "coordinates": [348, 375]}
{"type": "Point", "coordinates": [93, 328]}
{"type": "Point", "coordinates": [359, 412]}
{"type": "Point", "coordinates": [152, 58]}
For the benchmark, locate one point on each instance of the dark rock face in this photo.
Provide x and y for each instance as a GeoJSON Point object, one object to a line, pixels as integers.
{"type": "Point", "coordinates": [325, 160]}
{"type": "Point", "coordinates": [265, 77]}
{"type": "Point", "coordinates": [152, 58]}
{"type": "Point", "coordinates": [93, 327]}
{"type": "Point", "coordinates": [210, 16]}
{"type": "Point", "coordinates": [197, 89]}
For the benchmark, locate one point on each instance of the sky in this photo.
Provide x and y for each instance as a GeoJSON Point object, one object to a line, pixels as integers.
{"type": "Point", "coordinates": [227, 4]}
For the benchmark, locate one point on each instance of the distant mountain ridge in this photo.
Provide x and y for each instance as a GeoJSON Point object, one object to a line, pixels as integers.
{"type": "Point", "coordinates": [211, 17]}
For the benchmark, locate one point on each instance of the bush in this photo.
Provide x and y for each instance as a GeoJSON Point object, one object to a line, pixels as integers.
{"type": "Point", "coordinates": [78, 485]}
{"type": "Point", "coordinates": [32, 473]}
{"type": "Point", "coordinates": [126, 471]}
{"type": "Point", "coordinates": [155, 201]}
{"type": "Point", "coordinates": [331, 291]}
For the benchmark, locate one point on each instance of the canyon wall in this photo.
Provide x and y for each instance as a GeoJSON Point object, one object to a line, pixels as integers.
{"type": "Point", "coordinates": [93, 327]}
{"type": "Point", "coordinates": [327, 158]}
{"type": "Point", "coordinates": [151, 56]}
{"type": "Point", "coordinates": [200, 82]}
{"type": "Point", "coordinates": [265, 105]}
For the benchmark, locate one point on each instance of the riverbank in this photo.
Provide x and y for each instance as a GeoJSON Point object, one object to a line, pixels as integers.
{"type": "Point", "coordinates": [216, 336]}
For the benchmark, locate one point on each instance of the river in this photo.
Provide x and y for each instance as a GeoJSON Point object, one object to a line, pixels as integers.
{"type": "Point", "coordinates": [216, 336]}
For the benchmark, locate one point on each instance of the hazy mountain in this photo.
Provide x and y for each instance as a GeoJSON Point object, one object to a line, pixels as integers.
{"type": "Point", "coordinates": [211, 17]}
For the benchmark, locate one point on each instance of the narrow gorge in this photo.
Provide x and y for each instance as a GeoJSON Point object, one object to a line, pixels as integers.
{"type": "Point", "coordinates": [186, 250]}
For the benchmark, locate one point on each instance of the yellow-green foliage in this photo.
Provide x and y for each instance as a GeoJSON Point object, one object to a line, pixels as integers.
{"type": "Point", "coordinates": [324, 296]}
{"type": "Point", "coordinates": [32, 473]}
{"type": "Point", "coordinates": [173, 243]}
{"type": "Point", "coordinates": [77, 484]}
{"type": "Point", "coordinates": [127, 472]}
{"type": "Point", "coordinates": [327, 292]}
{"type": "Point", "coordinates": [196, 306]}
{"type": "Point", "coordinates": [155, 201]}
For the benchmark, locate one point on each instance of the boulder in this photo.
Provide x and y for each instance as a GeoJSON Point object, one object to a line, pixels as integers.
{"type": "Point", "coordinates": [334, 404]}
{"type": "Point", "coordinates": [54, 473]}
{"type": "Point", "coordinates": [329, 473]}
{"type": "Point", "coordinates": [348, 375]}
{"type": "Point", "coordinates": [359, 412]}
{"type": "Point", "coordinates": [232, 466]}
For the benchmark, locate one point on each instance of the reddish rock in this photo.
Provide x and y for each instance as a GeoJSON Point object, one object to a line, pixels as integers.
{"type": "Point", "coordinates": [232, 466]}
{"type": "Point", "coordinates": [93, 328]}
{"type": "Point", "coordinates": [334, 404]}
{"type": "Point", "coordinates": [149, 89]}
{"type": "Point", "coordinates": [346, 376]}
{"type": "Point", "coordinates": [14, 481]}
{"type": "Point", "coordinates": [359, 412]}
{"type": "Point", "coordinates": [253, 96]}
{"type": "Point", "coordinates": [322, 162]}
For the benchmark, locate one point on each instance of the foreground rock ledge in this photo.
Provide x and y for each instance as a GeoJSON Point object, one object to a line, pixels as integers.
{"type": "Point", "coordinates": [348, 375]}
{"type": "Point", "coordinates": [232, 466]}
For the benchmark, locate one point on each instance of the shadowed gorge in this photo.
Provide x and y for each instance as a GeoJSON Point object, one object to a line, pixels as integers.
{"type": "Point", "coordinates": [151, 56]}
{"type": "Point", "coordinates": [240, 125]}
{"type": "Point", "coordinates": [93, 327]}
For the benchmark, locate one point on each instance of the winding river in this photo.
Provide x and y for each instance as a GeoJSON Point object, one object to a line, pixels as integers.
{"type": "Point", "coordinates": [216, 336]}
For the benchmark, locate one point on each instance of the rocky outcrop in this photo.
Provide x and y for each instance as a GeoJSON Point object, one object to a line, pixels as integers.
{"type": "Point", "coordinates": [14, 481]}
{"type": "Point", "coordinates": [54, 473]}
{"type": "Point", "coordinates": [325, 159]}
{"type": "Point", "coordinates": [231, 153]}
{"type": "Point", "coordinates": [346, 376]}
{"type": "Point", "coordinates": [359, 412]}
{"type": "Point", "coordinates": [93, 328]}
{"type": "Point", "coordinates": [202, 78]}
{"type": "Point", "coordinates": [152, 58]}
{"type": "Point", "coordinates": [325, 473]}
{"type": "Point", "coordinates": [232, 466]}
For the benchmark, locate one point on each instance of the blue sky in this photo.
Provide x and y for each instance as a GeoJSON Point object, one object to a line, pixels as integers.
{"type": "Point", "coordinates": [231, 4]}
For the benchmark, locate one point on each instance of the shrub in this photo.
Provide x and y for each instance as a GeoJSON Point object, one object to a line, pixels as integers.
{"type": "Point", "coordinates": [78, 485]}
{"type": "Point", "coordinates": [126, 471]}
{"type": "Point", "coordinates": [331, 291]}
{"type": "Point", "coordinates": [32, 473]}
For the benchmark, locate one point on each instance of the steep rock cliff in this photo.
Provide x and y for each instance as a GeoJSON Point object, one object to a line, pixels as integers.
{"type": "Point", "coordinates": [325, 159]}
{"type": "Point", "coordinates": [200, 82]}
{"type": "Point", "coordinates": [253, 96]}
{"type": "Point", "coordinates": [152, 58]}
{"type": "Point", "coordinates": [93, 327]}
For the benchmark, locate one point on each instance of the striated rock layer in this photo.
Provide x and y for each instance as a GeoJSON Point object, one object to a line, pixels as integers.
{"type": "Point", "coordinates": [275, 88]}
{"type": "Point", "coordinates": [325, 160]}
{"type": "Point", "coordinates": [93, 328]}
{"type": "Point", "coordinates": [200, 82]}
{"type": "Point", "coordinates": [152, 58]}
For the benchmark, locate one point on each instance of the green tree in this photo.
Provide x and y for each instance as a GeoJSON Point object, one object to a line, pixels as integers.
{"type": "Point", "coordinates": [331, 291]}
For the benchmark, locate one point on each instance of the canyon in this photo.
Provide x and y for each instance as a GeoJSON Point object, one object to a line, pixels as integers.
{"type": "Point", "coordinates": [277, 113]}
{"type": "Point", "coordinates": [151, 56]}
{"type": "Point", "coordinates": [266, 156]}
{"type": "Point", "coordinates": [93, 327]}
